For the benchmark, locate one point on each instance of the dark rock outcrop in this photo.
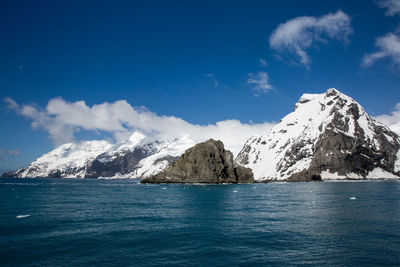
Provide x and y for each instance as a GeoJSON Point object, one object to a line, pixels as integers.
{"type": "Point", "coordinates": [122, 163]}
{"type": "Point", "coordinates": [206, 162]}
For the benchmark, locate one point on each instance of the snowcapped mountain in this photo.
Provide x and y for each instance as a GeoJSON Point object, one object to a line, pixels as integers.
{"type": "Point", "coordinates": [327, 136]}
{"type": "Point", "coordinates": [137, 157]}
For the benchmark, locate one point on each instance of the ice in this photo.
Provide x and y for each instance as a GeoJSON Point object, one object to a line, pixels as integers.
{"type": "Point", "coordinates": [23, 216]}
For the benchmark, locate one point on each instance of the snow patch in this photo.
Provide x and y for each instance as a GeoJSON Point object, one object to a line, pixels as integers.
{"type": "Point", "coordinates": [327, 175]}
{"type": "Point", "coordinates": [397, 162]}
{"type": "Point", "coordinates": [379, 173]}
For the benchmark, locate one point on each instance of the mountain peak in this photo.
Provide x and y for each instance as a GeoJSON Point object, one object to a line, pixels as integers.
{"type": "Point", "coordinates": [332, 92]}
{"type": "Point", "coordinates": [325, 133]}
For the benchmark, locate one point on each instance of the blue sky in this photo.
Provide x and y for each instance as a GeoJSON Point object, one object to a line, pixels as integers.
{"type": "Point", "coordinates": [200, 61]}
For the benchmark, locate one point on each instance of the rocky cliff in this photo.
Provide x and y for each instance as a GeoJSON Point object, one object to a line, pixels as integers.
{"type": "Point", "coordinates": [206, 162]}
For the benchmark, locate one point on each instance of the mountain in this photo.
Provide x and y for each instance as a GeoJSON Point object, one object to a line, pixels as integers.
{"type": "Point", "coordinates": [327, 136]}
{"type": "Point", "coordinates": [206, 162]}
{"type": "Point", "coordinates": [137, 157]}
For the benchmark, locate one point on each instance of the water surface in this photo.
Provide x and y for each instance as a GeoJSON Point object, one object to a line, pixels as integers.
{"type": "Point", "coordinates": [69, 222]}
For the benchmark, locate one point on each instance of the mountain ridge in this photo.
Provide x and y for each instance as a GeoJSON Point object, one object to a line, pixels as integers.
{"type": "Point", "coordinates": [327, 136]}
{"type": "Point", "coordinates": [136, 157]}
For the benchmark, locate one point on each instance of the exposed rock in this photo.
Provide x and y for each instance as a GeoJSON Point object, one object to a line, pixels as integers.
{"type": "Point", "coordinates": [206, 162]}
{"type": "Point", "coordinates": [122, 163]}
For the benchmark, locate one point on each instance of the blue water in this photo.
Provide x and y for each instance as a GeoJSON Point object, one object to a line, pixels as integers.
{"type": "Point", "coordinates": [121, 222]}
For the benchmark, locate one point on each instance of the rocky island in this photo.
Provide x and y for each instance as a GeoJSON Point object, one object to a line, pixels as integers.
{"type": "Point", "coordinates": [206, 162]}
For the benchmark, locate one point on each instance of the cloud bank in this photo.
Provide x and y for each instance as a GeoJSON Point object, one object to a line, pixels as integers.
{"type": "Point", "coordinates": [62, 119]}
{"type": "Point", "coordinates": [388, 47]}
{"type": "Point", "coordinates": [299, 34]}
{"type": "Point", "coordinates": [392, 7]}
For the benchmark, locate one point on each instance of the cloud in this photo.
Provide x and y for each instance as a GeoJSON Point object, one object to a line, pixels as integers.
{"type": "Point", "coordinates": [299, 34]}
{"type": "Point", "coordinates": [392, 7]}
{"type": "Point", "coordinates": [263, 62]}
{"type": "Point", "coordinates": [392, 120]}
{"type": "Point", "coordinates": [212, 77]}
{"type": "Point", "coordinates": [388, 47]}
{"type": "Point", "coordinates": [5, 152]}
{"type": "Point", "coordinates": [62, 120]}
{"type": "Point", "coordinates": [10, 103]}
{"type": "Point", "coordinates": [260, 82]}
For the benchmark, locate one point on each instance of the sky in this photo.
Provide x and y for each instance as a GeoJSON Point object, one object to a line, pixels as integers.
{"type": "Point", "coordinates": [82, 70]}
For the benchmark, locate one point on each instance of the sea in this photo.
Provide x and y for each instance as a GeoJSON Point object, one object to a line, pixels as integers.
{"type": "Point", "coordinates": [79, 222]}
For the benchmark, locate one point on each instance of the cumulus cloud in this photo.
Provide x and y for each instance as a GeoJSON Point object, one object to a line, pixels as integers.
{"type": "Point", "coordinates": [299, 34]}
{"type": "Point", "coordinates": [392, 120]}
{"type": "Point", "coordinates": [392, 7]}
{"type": "Point", "coordinates": [260, 82]}
{"type": "Point", "coordinates": [62, 119]}
{"type": "Point", "coordinates": [388, 47]}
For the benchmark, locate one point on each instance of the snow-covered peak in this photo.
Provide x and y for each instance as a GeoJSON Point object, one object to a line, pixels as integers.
{"type": "Point", "coordinates": [321, 109]}
{"type": "Point", "coordinates": [66, 157]}
{"type": "Point", "coordinates": [290, 146]}
{"type": "Point", "coordinates": [129, 144]}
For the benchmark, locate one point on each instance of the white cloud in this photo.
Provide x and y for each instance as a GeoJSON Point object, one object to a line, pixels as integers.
{"type": "Point", "coordinates": [299, 34]}
{"type": "Point", "coordinates": [260, 82]}
{"type": "Point", "coordinates": [212, 77]}
{"type": "Point", "coordinates": [62, 119]}
{"type": "Point", "coordinates": [392, 120]}
{"type": "Point", "coordinates": [388, 47]}
{"type": "Point", "coordinates": [263, 62]}
{"type": "Point", "coordinates": [392, 7]}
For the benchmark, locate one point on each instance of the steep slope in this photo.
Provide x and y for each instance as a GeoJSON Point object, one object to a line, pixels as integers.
{"type": "Point", "coordinates": [136, 157]}
{"type": "Point", "coordinates": [328, 136]}
{"type": "Point", "coordinates": [206, 162]}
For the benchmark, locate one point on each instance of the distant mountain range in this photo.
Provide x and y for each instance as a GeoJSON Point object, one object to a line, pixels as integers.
{"type": "Point", "coordinates": [327, 136]}
{"type": "Point", "coordinates": [136, 157]}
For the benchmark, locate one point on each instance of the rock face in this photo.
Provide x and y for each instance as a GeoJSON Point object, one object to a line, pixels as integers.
{"type": "Point", "coordinates": [206, 162]}
{"type": "Point", "coordinates": [328, 136]}
{"type": "Point", "coordinates": [137, 157]}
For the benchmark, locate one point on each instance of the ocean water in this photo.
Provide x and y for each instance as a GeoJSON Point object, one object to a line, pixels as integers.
{"type": "Point", "coordinates": [71, 222]}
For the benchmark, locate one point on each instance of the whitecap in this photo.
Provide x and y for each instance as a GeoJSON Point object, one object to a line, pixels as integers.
{"type": "Point", "coordinates": [23, 216]}
{"type": "Point", "coordinates": [234, 191]}
{"type": "Point", "coordinates": [353, 198]}
{"type": "Point", "coordinates": [164, 188]}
